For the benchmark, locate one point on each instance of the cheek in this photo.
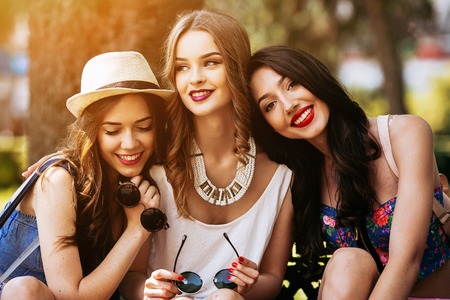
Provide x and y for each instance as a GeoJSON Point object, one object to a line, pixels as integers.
{"type": "Point", "coordinates": [275, 118]}
{"type": "Point", "coordinates": [106, 144]}
{"type": "Point", "coordinates": [180, 81]}
{"type": "Point", "coordinates": [151, 140]}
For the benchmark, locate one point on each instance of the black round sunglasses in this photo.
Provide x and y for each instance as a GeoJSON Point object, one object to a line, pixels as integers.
{"type": "Point", "coordinates": [152, 219]}
{"type": "Point", "coordinates": [192, 282]}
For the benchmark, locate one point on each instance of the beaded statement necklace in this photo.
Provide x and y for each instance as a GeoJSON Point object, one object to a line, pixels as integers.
{"type": "Point", "coordinates": [235, 190]}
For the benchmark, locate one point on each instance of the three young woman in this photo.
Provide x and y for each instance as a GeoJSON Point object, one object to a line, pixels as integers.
{"type": "Point", "coordinates": [88, 240]}
{"type": "Point", "coordinates": [345, 184]}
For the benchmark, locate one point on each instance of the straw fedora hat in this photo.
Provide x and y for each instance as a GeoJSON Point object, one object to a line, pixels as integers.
{"type": "Point", "coordinates": [115, 73]}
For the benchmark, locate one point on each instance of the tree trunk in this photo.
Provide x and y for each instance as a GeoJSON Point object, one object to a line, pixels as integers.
{"type": "Point", "coordinates": [64, 34]}
{"type": "Point", "coordinates": [388, 55]}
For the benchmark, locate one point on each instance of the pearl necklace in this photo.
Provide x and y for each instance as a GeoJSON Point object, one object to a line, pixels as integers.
{"type": "Point", "coordinates": [235, 190]}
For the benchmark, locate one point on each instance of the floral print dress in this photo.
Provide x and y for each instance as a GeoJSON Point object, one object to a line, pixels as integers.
{"type": "Point", "coordinates": [378, 224]}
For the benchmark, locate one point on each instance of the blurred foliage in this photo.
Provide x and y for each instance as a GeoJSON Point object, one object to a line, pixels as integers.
{"type": "Point", "coordinates": [433, 105]}
{"type": "Point", "coordinates": [326, 28]}
{"type": "Point", "coordinates": [329, 28]}
{"type": "Point", "coordinates": [12, 160]}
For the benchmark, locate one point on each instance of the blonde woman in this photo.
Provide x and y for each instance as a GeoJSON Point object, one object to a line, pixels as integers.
{"type": "Point", "coordinates": [228, 205]}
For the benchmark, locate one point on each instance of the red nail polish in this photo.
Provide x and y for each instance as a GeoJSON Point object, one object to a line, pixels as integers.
{"type": "Point", "coordinates": [180, 277]}
{"type": "Point", "coordinates": [230, 270]}
{"type": "Point", "coordinates": [234, 265]}
{"type": "Point", "coordinates": [228, 277]}
{"type": "Point", "coordinates": [241, 259]}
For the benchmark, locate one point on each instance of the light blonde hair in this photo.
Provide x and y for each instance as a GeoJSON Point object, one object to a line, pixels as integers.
{"type": "Point", "coordinates": [234, 45]}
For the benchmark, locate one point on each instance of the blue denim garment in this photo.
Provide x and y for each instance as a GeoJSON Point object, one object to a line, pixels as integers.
{"type": "Point", "coordinates": [16, 235]}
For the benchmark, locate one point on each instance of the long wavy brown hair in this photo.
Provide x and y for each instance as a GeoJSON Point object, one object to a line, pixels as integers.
{"type": "Point", "coordinates": [234, 45]}
{"type": "Point", "coordinates": [80, 151]}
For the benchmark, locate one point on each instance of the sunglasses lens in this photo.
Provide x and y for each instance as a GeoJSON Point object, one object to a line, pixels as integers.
{"type": "Point", "coordinates": [128, 194]}
{"type": "Point", "coordinates": [221, 281]}
{"type": "Point", "coordinates": [191, 283]}
{"type": "Point", "coordinates": [153, 219]}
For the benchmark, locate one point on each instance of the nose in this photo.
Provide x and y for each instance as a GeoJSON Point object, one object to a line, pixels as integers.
{"type": "Point", "coordinates": [197, 76]}
{"type": "Point", "coordinates": [129, 140]}
{"type": "Point", "coordinates": [289, 106]}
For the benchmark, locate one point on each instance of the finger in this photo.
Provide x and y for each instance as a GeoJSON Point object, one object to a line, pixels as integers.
{"type": "Point", "coordinates": [245, 276]}
{"type": "Point", "coordinates": [143, 186]}
{"type": "Point", "coordinates": [34, 166]}
{"type": "Point", "coordinates": [246, 262]}
{"type": "Point", "coordinates": [161, 284]}
{"type": "Point", "coordinates": [151, 196]}
{"type": "Point", "coordinates": [136, 180]}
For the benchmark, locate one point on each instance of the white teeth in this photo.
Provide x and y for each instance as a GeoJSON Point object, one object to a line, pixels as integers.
{"type": "Point", "coordinates": [130, 157]}
{"type": "Point", "coordinates": [198, 94]}
{"type": "Point", "coordinates": [303, 116]}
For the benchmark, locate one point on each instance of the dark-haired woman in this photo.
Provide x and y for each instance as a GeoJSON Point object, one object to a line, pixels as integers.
{"type": "Point", "coordinates": [358, 179]}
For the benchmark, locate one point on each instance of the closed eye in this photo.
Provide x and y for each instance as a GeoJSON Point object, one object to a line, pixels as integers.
{"type": "Point", "coordinates": [147, 128]}
{"type": "Point", "coordinates": [111, 132]}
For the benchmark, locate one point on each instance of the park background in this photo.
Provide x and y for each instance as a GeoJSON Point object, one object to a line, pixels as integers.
{"type": "Point", "coordinates": [393, 56]}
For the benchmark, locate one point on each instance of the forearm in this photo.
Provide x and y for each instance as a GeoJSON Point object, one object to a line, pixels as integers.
{"type": "Point", "coordinates": [397, 280]}
{"type": "Point", "coordinates": [104, 280]}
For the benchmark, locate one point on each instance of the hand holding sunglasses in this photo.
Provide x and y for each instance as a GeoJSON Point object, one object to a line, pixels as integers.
{"type": "Point", "coordinates": [192, 282]}
{"type": "Point", "coordinates": [152, 219]}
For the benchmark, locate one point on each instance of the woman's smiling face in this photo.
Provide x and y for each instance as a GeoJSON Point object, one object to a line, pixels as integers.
{"type": "Point", "coordinates": [291, 109]}
{"type": "Point", "coordinates": [200, 73]}
{"type": "Point", "coordinates": [127, 135]}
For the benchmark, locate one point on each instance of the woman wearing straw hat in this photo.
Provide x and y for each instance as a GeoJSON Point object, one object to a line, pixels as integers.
{"type": "Point", "coordinates": [91, 229]}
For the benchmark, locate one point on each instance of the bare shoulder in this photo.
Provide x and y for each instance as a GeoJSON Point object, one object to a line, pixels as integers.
{"type": "Point", "coordinates": [56, 180]}
{"type": "Point", "coordinates": [409, 126]}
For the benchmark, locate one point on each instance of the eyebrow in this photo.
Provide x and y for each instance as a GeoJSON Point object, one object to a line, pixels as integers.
{"type": "Point", "coordinates": [201, 57]}
{"type": "Point", "coordinates": [117, 123]}
{"type": "Point", "coordinates": [267, 94]}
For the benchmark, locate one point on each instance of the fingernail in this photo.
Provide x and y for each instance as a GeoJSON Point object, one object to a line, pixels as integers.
{"type": "Point", "coordinates": [230, 270]}
{"type": "Point", "coordinates": [228, 277]}
{"type": "Point", "coordinates": [180, 277]}
{"type": "Point", "coordinates": [234, 265]}
{"type": "Point", "coordinates": [241, 259]}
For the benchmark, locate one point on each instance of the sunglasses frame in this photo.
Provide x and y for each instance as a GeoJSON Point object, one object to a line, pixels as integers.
{"type": "Point", "coordinates": [231, 285]}
{"type": "Point", "coordinates": [152, 219]}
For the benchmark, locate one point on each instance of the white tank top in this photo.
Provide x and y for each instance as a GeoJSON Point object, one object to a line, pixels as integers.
{"type": "Point", "coordinates": [206, 251]}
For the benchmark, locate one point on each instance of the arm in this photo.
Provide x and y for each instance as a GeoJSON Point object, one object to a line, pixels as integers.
{"type": "Point", "coordinates": [412, 146]}
{"type": "Point", "coordinates": [55, 213]}
{"type": "Point", "coordinates": [132, 286]}
{"type": "Point", "coordinates": [275, 259]}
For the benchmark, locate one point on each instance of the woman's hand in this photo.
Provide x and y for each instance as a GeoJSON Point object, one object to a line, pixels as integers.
{"type": "Point", "coordinates": [34, 166]}
{"type": "Point", "coordinates": [149, 198]}
{"type": "Point", "coordinates": [160, 285]}
{"type": "Point", "coordinates": [245, 274]}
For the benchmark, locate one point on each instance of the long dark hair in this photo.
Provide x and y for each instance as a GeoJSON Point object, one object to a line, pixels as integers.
{"type": "Point", "coordinates": [350, 145]}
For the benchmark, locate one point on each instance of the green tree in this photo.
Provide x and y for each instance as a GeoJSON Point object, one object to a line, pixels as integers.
{"type": "Point", "coordinates": [326, 28]}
